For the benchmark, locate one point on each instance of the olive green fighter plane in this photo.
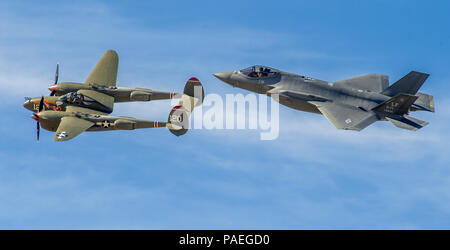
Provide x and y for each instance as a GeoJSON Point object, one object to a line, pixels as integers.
{"type": "Point", "coordinates": [100, 84]}
{"type": "Point", "coordinates": [351, 104]}
{"type": "Point", "coordinates": [75, 119]}
{"type": "Point", "coordinates": [103, 79]}
{"type": "Point", "coordinates": [85, 107]}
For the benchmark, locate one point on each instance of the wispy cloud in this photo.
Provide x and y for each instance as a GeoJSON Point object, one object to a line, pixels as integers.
{"type": "Point", "coordinates": [312, 176]}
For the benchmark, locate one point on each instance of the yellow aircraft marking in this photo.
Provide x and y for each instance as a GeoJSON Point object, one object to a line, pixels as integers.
{"type": "Point", "coordinates": [45, 101]}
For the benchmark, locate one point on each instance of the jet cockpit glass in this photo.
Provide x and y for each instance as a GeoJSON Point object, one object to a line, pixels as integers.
{"type": "Point", "coordinates": [259, 72]}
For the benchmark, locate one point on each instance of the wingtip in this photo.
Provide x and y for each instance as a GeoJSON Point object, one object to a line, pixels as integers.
{"type": "Point", "coordinates": [419, 73]}
{"type": "Point", "coordinates": [111, 51]}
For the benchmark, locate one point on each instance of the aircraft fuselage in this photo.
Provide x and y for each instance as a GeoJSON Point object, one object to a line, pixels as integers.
{"type": "Point", "coordinates": [50, 121]}
{"type": "Point", "coordinates": [296, 91]}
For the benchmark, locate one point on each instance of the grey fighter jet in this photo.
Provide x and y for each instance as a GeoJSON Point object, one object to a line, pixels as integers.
{"type": "Point", "coordinates": [351, 104]}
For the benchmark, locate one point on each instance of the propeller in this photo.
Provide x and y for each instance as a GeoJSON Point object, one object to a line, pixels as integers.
{"type": "Point", "coordinates": [56, 79]}
{"type": "Point", "coordinates": [38, 129]}
{"type": "Point", "coordinates": [41, 104]}
{"type": "Point", "coordinates": [36, 117]}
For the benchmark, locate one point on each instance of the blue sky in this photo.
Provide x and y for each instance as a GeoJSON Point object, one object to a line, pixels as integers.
{"type": "Point", "coordinates": [312, 177]}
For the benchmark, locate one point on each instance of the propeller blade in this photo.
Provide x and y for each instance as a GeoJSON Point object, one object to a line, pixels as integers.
{"type": "Point", "coordinates": [57, 74]}
{"type": "Point", "coordinates": [41, 104]}
{"type": "Point", "coordinates": [56, 79]}
{"type": "Point", "coordinates": [38, 129]}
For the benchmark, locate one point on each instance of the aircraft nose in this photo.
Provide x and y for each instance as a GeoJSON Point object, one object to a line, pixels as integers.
{"type": "Point", "coordinates": [52, 88]}
{"type": "Point", "coordinates": [223, 76]}
{"type": "Point", "coordinates": [28, 105]}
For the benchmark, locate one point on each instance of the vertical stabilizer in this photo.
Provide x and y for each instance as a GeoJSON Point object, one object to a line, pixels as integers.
{"type": "Point", "coordinates": [192, 97]}
{"type": "Point", "coordinates": [409, 84]}
{"type": "Point", "coordinates": [397, 105]}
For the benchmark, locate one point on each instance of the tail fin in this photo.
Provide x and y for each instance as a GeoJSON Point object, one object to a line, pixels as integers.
{"type": "Point", "coordinates": [396, 106]}
{"type": "Point", "coordinates": [407, 122]}
{"type": "Point", "coordinates": [409, 84]}
{"type": "Point", "coordinates": [178, 123]}
{"type": "Point", "coordinates": [192, 97]}
{"type": "Point", "coordinates": [194, 89]}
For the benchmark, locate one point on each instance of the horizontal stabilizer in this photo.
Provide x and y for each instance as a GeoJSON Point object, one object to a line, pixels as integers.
{"type": "Point", "coordinates": [397, 105]}
{"type": "Point", "coordinates": [409, 84]}
{"type": "Point", "coordinates": [425, 102]}
{"type": "Point", "coordinates": [408, 122]}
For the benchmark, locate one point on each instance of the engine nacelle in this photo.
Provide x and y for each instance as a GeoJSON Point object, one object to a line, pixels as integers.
{"type": "Point", "coordinates": [140, 96]}
{"type": "Point", "coordinates": [121, 124]}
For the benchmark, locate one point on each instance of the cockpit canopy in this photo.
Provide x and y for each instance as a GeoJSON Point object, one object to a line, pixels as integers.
{"type": "Point", "coordinates": [259, 71]}
{"type": "Point", "coordinates": [75, 98]}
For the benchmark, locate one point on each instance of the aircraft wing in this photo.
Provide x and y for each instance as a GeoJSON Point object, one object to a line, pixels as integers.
{"type": "Point", "coordinates": [105, 72]}
{"type": "Point", "coordinates": [84, 110]}
{"type": "Point", "coordinates": [69, 127]}
{"type": "Point", "coordinates": [346, 117]}
{"type": "Point", "coordinates": [372, 82]}
{"type": "Point", "coordinates": [105, 100]}
{"type": "Point", "coordinates": [296, 95]}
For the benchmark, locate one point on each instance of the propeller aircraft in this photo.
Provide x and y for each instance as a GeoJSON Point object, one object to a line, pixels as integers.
{"type": "Point", "coordinates": [101, 84]}
{"type": "Point", "coordinates": [73, 108]}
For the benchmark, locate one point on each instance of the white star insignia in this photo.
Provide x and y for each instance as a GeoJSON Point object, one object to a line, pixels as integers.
{"type": "Point", "coordinates": [105, 124]}
{"type": "Point", "coordinates": [62, 135]}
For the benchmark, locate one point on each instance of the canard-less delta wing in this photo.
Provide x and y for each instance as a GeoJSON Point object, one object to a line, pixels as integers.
{"type": "Point", "coordinates": [351, 104]}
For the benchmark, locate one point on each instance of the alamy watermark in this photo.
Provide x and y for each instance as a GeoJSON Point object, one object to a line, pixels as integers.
{"type": "Point", "coordinates": [238, 111]}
